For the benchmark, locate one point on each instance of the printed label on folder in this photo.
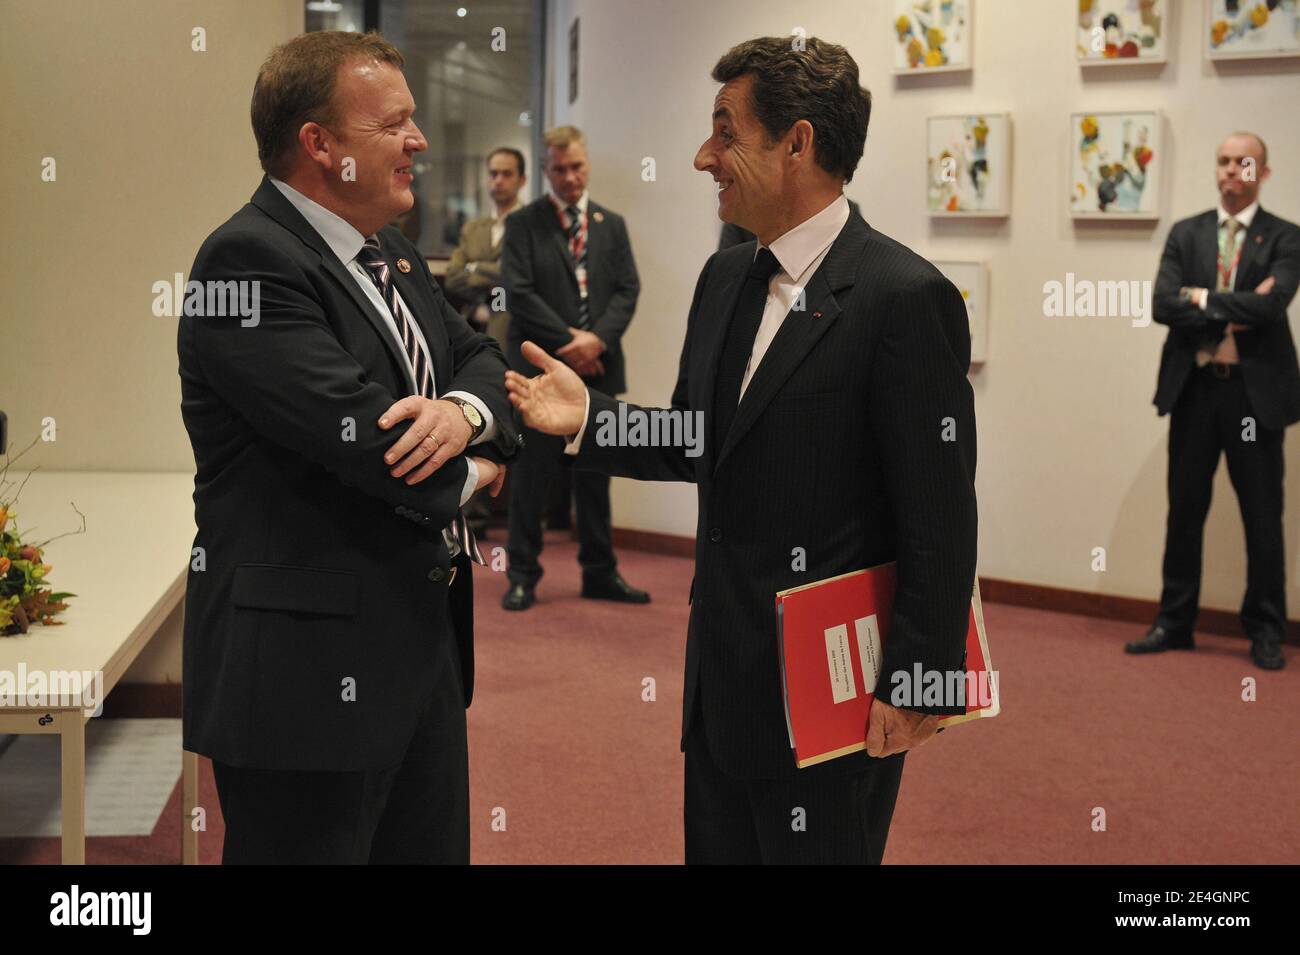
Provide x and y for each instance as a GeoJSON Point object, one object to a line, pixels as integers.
{"type": "Point", "coordinates": [841, 667]}
{"type": "Point", "coordinates": [869, 649]}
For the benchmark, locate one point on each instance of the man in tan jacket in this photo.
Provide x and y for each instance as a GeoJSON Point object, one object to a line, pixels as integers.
{"type": "Point", "coordinates": [475, 267]}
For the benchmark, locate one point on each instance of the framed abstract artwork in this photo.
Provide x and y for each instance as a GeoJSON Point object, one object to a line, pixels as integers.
{"type": "Point", "coordinates": [1116, 165]}
{"type": "Point", "coordinates": [971, 279]}
{"type": "Point", "coordinates": [1118, 32]}
{"type": "Point", "coordinates": [1252, 29]}
{"type": "Point", "coordinates": [968, 165]}
{"type": "Point", "coordinates": [932, 36]}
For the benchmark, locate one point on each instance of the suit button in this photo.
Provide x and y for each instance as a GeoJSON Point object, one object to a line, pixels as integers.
{"type": "Point", "coordinates": [426, 519]}
{"type": "Point", "coordinates": [715, 535]}
{"type": "Point", "coordinates": [437, 574]}
{"type": "Point", "coordinates": [401, 509]}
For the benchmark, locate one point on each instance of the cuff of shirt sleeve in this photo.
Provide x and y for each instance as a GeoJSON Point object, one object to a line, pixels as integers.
{"type": "Point", "coordinates": [471, 481]}
{"type": "Point", "coordinates": [1203, 298]}
{"type": "Point", "coordinates": [489, 423]}
{"type": "Point", "coordinates": [573, 444]}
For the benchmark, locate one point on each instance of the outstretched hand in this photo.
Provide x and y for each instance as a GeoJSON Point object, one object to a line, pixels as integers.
{"type": "Point", "coordinates": [553, 402]}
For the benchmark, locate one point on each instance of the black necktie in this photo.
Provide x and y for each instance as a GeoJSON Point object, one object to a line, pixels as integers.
{"type": "Point", "coordinates": [578, 246]}
{"type": "Point", "coordinates": [739, 344]}
{"type": "Point", "coordinates": [371, 258]}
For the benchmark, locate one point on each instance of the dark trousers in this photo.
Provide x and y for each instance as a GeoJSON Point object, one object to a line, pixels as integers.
{"type": "Point", "coordinates": [1207, 420]}
{"type": "Point", "coordinates": [416, 812]}
{"type": "Point", "coordinates": [809, 820]}
{"type": "Point", "coordinates": [541, 458]}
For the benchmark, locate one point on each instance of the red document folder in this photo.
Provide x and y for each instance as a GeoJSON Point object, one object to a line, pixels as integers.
{"type": "Point", "coordinates": [831, 633]}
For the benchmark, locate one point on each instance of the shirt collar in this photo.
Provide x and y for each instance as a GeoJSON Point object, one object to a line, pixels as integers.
{"type": "Point", "coordinates": [562, 205]}
{"type": "Point", "coordinates": [344, 241]}
{"type": "Point", "coordinates": [1245, 216]}
{"type": "Point", "coordinates": [800, 247]}
{"type": "Point", "coordinates": [502, 218]}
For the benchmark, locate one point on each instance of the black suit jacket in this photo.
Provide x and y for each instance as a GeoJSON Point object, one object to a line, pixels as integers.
{"type": "Point", "coordinates": [319, 570]}
{"type": "Point", "coordinates": [542, 289]}
{"type": "Point", "coordinates": [1267, 350]}
{"type": "Point", "coordinates": [836, 448]}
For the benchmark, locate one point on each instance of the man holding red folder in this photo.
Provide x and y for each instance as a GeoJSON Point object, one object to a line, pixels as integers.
{"type": "Point", "coordinates": [827, 364]}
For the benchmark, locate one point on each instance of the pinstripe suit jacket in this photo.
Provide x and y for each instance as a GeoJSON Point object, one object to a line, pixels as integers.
{"type": "Point", "coordinates": [838, 447]}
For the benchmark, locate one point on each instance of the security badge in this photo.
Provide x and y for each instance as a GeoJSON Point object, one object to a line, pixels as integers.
{"type": "Point", "coordinates": [403, 265]}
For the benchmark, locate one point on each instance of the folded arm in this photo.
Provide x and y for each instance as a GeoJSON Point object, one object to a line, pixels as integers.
{"type": "Point", "coordinates": [290, 378]}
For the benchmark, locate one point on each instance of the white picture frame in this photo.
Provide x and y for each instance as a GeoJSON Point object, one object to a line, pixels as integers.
{"type": "Point", "coordinates": [916, 48]}
{"type": "Point", "coordinates": [968, 165]}
{"type": "Point", "coordinates": [1238, 35]}
{"type": "Point", "coordinates": [971, 278]}
{"type": "Point", "coordinates": [1122, 32]}
{"type": "Point", "coordinates": [1116, 165]}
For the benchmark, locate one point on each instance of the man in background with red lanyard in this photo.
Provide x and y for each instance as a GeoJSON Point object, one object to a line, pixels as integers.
{"type": "Point", "coordinates": [571, 287]}
{"type": "Point", "coordinates": [1230, 382]}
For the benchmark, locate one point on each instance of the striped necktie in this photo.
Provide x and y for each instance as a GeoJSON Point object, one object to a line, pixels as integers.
{"type": "Point", "coordinates": [459, 536]}
{"type": "Point", "coordinates": [578, 246]}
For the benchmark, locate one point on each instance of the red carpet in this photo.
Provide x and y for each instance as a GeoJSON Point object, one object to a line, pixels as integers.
{"type": "Point", "coordinates": [587, 772]}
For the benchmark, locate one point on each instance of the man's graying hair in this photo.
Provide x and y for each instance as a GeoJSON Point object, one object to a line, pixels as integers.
{"type": "Point", "coordinates": [818, 83]}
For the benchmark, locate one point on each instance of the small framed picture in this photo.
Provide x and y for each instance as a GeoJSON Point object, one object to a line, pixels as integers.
{"type": "Point", "coordinates": [971, 279]}
{"type": "Point", "coordinates": [968, 165]}
{"type": "Point", "coordinates": [1252, 29]}
{"type": "Point", "coordinates": [931, 36]}
{"type": "Point", "coordinates": [1116, 164]}
{"type": "Point", "coordinates": [1119, 32]}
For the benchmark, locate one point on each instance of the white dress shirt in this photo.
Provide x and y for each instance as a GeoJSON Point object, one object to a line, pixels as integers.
{"type": "Point", "coordinates": [800, 253]}
{"type": "Point", "coordinates": [499, 223]}
{"type": "Point", "coordinates": [346, 244]}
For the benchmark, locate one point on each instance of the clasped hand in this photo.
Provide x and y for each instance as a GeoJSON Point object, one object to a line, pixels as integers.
{"type": "Point", "coordinates": [438, 433]}
{"type": "Point", "coordinates": [583, 352]}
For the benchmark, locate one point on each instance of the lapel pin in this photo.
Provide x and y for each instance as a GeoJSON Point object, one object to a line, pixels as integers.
{"type": "Point", "coordinates": [403, 265]}
{"type": "Point", "coordinates": [598, 216]}
{"type": "Point", "coordinates": [1259, 240]}
{"type": "Point", "coordinates": [817, 314]}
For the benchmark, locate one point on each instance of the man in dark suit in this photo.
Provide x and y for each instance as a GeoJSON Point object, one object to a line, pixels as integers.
{"type": "Point", "coordinates": [1230, 383]}
{"type": "Point", "coordinates": [571, 287]}
{"type": "Point", "coordinates": [328, 654]}
{"type": "Point", "coordinates": [828, 365]}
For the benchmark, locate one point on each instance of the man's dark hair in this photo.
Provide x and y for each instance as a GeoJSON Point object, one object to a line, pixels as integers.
{"type": "Point", "coordinates": [519, 157]}
{"type": "Point", "coordinates": [805, 78]}
{"type": "Point", "coordinates": [296, 85]}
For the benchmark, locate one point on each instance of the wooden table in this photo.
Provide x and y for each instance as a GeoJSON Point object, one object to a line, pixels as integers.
{"type": "Point", "coordinates": [128, 571]}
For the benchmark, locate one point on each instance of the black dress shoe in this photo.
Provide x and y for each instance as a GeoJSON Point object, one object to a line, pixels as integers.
{"type": "Point", "coordinates": [1158, 640]}
{"type": "Point", "coordinates": [518, 597]}
{"type": "Point", "coordinates": [1267, 653]}
{"type": "Point", "coordinates": [614, 588]}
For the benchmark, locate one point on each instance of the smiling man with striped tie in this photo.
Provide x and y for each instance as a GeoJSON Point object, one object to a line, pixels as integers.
{"type": "Point", "coordinates": [337, 433]}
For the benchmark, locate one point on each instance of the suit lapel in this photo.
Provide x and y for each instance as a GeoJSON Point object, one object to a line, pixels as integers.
{"type": "Point", "coordinates": [271, 201]}
{"type": "Point", "coordinates": [597, 247]}
{"type": "Point", "coordinates": [1207, 246]}
{"type": "Point", "coordinates": [559, 238]}
{"type": "Point", "coordinates": [1254, 238]}
{"type": "Point", "coordinates": [800, 331]}
{"type": "Point", "coordinates": [716, 309]}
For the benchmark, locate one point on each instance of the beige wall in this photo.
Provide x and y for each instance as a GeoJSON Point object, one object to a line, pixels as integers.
{"type": "Point", "coordinates": [153, 150]}
{"type": "Point", "coordinates": [1072, 455]}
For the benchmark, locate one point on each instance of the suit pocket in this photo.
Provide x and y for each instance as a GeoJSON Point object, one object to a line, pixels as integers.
{"type": "Point", "coordinates": [333, 593]}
